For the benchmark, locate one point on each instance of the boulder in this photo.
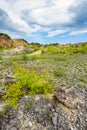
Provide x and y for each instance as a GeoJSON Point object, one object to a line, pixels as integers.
{"type": "Point", "coordinates": [67, 97]}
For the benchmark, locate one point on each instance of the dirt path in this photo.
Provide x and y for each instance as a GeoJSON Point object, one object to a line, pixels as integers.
{"type": "Point", "coordinates": [35, 53]}
{"type": "Point", "coordinates": [32, 54]}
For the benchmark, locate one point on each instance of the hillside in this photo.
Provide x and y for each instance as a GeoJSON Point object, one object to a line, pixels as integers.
{"type": "Point", "coordinates": [42, 87]}
{"type": "Point", "coordinates": [7, 42]}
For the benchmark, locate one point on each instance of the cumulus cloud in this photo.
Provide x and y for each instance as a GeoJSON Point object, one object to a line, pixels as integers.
{"type": "Point", "coordinates": [53, 17]}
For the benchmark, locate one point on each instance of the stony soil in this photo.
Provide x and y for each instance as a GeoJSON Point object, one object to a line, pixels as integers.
{"type": "Point", "coordinates": [67, 107]}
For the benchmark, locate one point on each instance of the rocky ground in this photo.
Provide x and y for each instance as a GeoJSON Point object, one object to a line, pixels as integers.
{"type": "Point", "coordinates": [65, 110]}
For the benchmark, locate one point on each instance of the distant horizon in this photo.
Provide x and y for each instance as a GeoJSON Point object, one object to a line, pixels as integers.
{"type": "Point", "coordinates": [43, 43]}
{"type": "Point", "coordinates": [45, 21]}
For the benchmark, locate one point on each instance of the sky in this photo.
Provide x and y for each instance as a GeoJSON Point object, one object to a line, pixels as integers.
{"type": "Point", "coordinates": [44, 21]}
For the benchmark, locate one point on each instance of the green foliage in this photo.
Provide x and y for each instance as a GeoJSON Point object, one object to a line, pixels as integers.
{"type": "Point", "coordinates": [34, 57]}
{"type": "Point", "coordinates": [1, 58]}
{"type": "Point", "coordinates": [59, 73]}
{"type": "Point", "coordinates": [24, 57]}
{"type": "Point", "coordinates": [27, 83]}
{"type": "Point", "coordinates": [5, 111]}
{"type": "Point", "coordinates": [83, 48]}
{"type": "Point", "coordinates": [60, 58]}
{"type": "Point", "coordinates": [1, 113]}
{"type": "Point", "coordinates": [65, 49]}
{"type": "Point", "coordinates": [13, 94]}
{"type": "Point", "coordinates": [86, 69]}
{"type": "Point", "coordinates": [83, 79]}
{"type": "Point", "coordinates": [29, 105]}
{"type": "Point", "coordinates": [1, 48]}
{"type": "Point", "coordinates": [49, 114]}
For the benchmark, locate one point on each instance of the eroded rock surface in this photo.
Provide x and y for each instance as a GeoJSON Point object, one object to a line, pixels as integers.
{"type": "Point", "coordinates": [65, 110]}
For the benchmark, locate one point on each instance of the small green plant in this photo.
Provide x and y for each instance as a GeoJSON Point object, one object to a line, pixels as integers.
{"type": "Point", "coordinates": [5, 111]}
{"type": "Point", "coordinates": [1, 113]}
{"type": "Point", "coordinates": [59, 73]}
{"type": "Point", "coordinates": [49, 114]}
{"type": "Point", "coordinates": [29, 104]}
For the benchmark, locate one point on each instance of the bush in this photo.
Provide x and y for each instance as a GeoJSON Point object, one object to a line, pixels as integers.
{"type": "Point", "coordinates": [27, 83]}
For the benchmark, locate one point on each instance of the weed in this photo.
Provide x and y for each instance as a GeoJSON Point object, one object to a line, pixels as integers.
{"type": "Point", "coordinates": [49, 114]}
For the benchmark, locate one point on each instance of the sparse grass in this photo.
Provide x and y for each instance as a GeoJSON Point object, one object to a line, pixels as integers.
{"type": "Point", "coordinates": [34, 57]}
{"type": "Point", "coordinates": [59, 73]}
{"type": "Point", "coordinates": [24, 57]}
{"type": "Point", "coordinates": [29, 104]}
{"type": "Point", "coordinates": [5, 111]}
{"type": "Point", "coordinates": [64, 70]}
{"type": "Point", "coordinates": [59, 58]}
{"type": "Point", "coordinates": [1, 58]}
{"type": "Point", "coordinates": [83, 79]}
{"type": "Point", "coordinates": [49, 114]}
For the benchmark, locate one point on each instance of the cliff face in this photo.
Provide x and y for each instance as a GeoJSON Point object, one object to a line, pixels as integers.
{"type": "Point", "coordinates": [10, 46]}
{"type": "Point", "coordinates": [7, 42]}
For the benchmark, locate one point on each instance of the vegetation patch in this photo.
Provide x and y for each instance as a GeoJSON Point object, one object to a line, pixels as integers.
{"type": "Point", "coordinates": [1, 58]}
{"type": "Point", "coordinates": [59, 73]}
{"type": "Point", "coordinates": [83, 79]}
{"type": "Point", "coordinates": [27, 83]}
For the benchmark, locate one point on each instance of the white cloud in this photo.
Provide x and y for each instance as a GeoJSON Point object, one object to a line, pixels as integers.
{"type": "Point", "coordinates": [55, 33]}
{"type": "Point", "coordinates": [43, 15]}
{"type": "Point", "coordinates": [77, 32]}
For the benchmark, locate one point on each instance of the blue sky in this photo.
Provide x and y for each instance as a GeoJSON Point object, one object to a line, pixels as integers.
{"type": "Point", "coordinates": [45, 21]}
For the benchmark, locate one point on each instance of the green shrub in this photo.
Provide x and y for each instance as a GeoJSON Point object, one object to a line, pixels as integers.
{"type": "Point", "coordinates": [27, 83]}
{"type": "Point", "coordinates": [83, 48]}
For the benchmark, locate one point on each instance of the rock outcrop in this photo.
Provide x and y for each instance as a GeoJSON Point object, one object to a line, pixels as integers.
{"type": "Point", "coordinates": [65, 110]}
